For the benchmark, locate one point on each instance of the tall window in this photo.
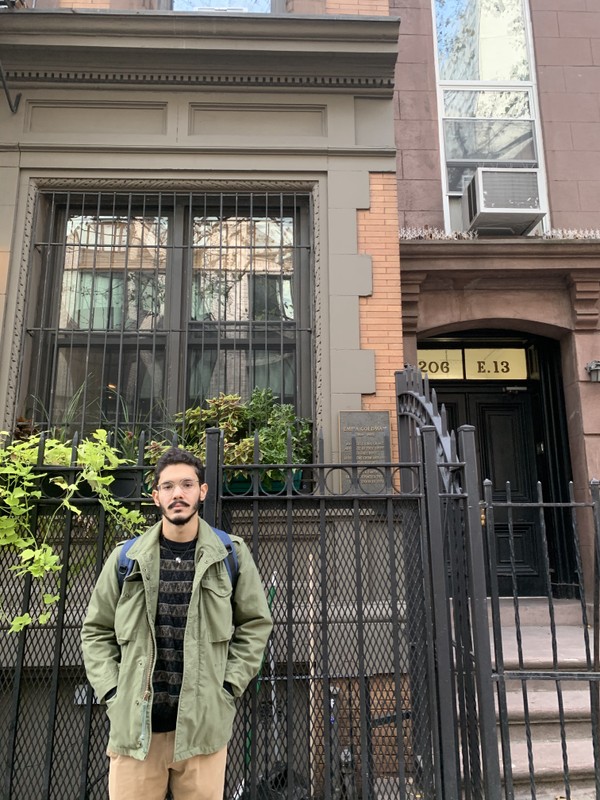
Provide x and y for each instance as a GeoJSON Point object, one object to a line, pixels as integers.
{"type": "Point", "coordinates": [486, 90]}
{"type": "Point", "coordinates": [234, 6]}
{"type": "Point", "coordinates": [144, 304]}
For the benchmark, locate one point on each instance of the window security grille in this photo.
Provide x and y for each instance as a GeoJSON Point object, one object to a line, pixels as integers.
{"type": "Point", "coordinates": [142, 305]}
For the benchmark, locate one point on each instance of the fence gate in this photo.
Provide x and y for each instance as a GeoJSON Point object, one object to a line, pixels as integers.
{"type": "Point", "coordinates": [341, 708]}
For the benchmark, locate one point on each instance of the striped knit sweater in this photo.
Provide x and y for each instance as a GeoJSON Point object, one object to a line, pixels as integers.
{"type": "Point", "coordinates": [175, 589]}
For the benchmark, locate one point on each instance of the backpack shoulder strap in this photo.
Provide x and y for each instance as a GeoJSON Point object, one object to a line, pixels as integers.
{"type": "Point", "coordinates": [231, 562]}
{"type": "Point", "coordinates": [125, 564]}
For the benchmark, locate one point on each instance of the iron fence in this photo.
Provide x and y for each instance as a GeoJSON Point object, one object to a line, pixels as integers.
{"type": "Point", "coordinates": [546, 664]}
{"type": "Point", "coordinates": [341, 708]}
{"type": "Point", "coordinates": [381, 680]}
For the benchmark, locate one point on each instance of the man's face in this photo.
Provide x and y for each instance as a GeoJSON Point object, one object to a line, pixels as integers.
{"type": "Point", "coordinates": [179, 493]}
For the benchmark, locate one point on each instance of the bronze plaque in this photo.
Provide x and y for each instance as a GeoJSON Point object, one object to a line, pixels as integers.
{"type": "Point", "coordinates": [371, 432]}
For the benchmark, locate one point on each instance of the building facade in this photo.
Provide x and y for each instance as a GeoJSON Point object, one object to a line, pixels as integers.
{"type": "Point", "coordinates": [507, 325]}
{"type": "Point", "coordinates": [198, 202]}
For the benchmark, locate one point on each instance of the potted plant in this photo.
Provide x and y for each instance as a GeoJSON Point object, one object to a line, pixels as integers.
{"type": "Point", "coordinates": [258, 424]}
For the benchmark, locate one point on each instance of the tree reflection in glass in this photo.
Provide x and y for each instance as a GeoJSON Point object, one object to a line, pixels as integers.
{"type": "Point", "coordinates": [481, 40]}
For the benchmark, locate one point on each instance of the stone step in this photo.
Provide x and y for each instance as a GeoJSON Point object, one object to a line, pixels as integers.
{"type": "Point", "coordinates": [547, 684]}
{"type": "Point", "coordinates": [544, 717]}
{"type": "Point", "coordinates": [580, 789]}
{"type": "Point", "coordinates": [550, 731]}
{"type": "Point", "coordinates": [536, 648]}
{"type": "Point", "coordinates": [536, 611]}
{"type": "Point", "coordinates": [543, 706]}
{"type": "Point", "coordinates": [548, 761]}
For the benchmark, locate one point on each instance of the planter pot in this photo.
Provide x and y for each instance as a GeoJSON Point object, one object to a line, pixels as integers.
{"type": "Point", "coordinates": [128, 483]}
{"type": "Point", "coordinates": [49, 488]}
{"type": "Point", "coordinates": [239, 484]}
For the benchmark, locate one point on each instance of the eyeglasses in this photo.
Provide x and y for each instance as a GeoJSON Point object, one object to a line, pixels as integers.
{"type": "Point", "coordinates": [185, 485]}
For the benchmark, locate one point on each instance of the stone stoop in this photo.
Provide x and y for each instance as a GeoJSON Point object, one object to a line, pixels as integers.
{"type": "Point", "coordinates": [555, 750]}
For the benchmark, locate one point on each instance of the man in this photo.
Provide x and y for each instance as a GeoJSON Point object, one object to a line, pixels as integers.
{"type": "Point", "coordinates": [170, 650]}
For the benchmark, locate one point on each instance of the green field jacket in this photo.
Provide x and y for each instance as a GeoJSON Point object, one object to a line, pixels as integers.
{"type": "Point", "coordinates": [224, 642]}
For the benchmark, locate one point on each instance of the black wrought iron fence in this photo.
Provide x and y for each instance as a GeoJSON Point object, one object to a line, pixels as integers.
{"type": "Point", "coordinates": [546, 655]}
{"type": "Point", "coordinates": [380, 680]}
{"type": "Point", "coordinates": [341, 708]}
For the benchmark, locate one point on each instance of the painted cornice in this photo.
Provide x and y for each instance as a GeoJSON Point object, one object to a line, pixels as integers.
{"type": "Point", "coordinates": [166, 48]}
{"type": "Point", "coordinates": [519, 254]}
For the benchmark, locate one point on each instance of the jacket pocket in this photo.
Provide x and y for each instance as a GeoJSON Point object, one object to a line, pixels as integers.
{"type": "Point", "coordinates": [130, 612]}
{"type": "Point", "coordinates": [216, 595]}
{"type": "Point", "coordinates": [127, 710]}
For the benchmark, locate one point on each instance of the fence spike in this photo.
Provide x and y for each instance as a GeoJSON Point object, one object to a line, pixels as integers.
{"type": "Point", "coordinates": [74, 447]}
{"type": "Point", "coordinates": [141, 448]}
{"type": "Point", "coordinates": [41, 448]}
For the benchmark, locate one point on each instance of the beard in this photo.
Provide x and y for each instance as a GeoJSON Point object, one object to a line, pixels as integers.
{"type": "Point", "coordinates": [181, 515]}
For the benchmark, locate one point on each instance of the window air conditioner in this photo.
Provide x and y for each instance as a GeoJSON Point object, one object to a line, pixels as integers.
{"type": "Point", "coordinates": [502, 202]}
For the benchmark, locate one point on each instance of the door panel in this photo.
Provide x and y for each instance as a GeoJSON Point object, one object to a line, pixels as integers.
{"type": "Point", "coordinates": [506, 453]}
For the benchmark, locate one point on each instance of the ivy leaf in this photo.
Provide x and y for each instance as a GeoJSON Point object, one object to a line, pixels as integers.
{"type": "Point", "coordinates": [18, 623]}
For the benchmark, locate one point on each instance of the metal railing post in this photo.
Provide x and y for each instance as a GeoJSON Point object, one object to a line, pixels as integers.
{"type": "Point", "coordinates": [444, 683]}
{"type": "Point", "coordinates": [479, 616]}
{"type": "Point", "coordinates": [212, 506]}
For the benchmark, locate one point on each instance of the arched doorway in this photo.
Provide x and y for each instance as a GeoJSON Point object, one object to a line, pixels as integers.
{"type": "Point", "coordinates": [508, 385]}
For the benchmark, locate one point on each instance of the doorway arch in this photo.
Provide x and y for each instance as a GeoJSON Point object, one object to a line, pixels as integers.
{"type": "Point", "coordinates": [508, 384]}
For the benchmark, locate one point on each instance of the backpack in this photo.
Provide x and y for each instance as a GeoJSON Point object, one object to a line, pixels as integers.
{"type": "Point", "coordinates": [125, 564]}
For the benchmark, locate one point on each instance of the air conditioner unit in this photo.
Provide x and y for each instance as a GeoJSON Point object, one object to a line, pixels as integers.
{"type": "Point", "coordinates": [502, 202]}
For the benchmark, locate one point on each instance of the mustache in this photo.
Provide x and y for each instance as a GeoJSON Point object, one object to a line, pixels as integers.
{"type": "Point", "coordinates": [178, 503]}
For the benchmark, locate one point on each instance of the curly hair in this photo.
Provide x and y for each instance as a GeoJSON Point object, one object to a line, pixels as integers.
{"type": "Point", "coordinates": [176, 455]}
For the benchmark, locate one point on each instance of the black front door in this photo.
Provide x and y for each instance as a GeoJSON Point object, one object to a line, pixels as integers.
{"type": "Point", "coordinates": [519, 416]}
{"type": "Point", "coordinates": [509, 445]}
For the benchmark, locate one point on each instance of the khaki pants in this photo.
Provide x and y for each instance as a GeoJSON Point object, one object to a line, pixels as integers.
{"type": "Point", "coordinates": [196, 778]}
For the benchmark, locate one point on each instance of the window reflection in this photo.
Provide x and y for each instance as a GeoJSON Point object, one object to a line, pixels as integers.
{"type": "Point", "coordinates": [481, 40]}
{"type": "Point", "coordinates": [487, 104]}
{"type": "Point", "coordinates": [485, 140]}
{"type": "Point", "coordinates": [232, 257]}
{"type": "Point", "coordinates": [233, 6]}
{"type": "Point", "coordinates": [210, 284]}
{"type": "Point", "coordinates": [114, 273]}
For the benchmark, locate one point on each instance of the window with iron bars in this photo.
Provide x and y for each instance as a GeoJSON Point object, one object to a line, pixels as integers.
{"type": "Point", "coordinates": [144, 304]}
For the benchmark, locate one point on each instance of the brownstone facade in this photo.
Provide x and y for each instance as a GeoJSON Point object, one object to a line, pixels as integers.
{"type": "Point", "coordinates": [567, 52]}
{"type": "Point", "coordinates": [530, 286]}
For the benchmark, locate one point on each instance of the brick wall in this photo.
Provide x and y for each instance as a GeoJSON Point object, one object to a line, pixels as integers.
{"type": "Point", "coordinates": [567, 50]}
{"type": "Point", "coordinates": [389, 742]}
{"type": "Point", "coordinates": [381, 312]}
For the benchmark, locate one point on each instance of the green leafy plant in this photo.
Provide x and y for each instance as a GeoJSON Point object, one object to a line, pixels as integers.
{"type": "Point", "coordinates": [275, 424]}
{"type": "Point", "coordinates": [73, 411]}
{"type": "Point", "coordinates": [88, 465]}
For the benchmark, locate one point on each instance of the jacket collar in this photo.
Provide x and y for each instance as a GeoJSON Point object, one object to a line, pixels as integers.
{"type": "Point", "coordinates": [208, 543]}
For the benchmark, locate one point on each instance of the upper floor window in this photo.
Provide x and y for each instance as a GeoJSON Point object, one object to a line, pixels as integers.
{"type": "Point", "coordinates": [233, 6]}
{"type": "Point", "coordinates": [142, 305]}
{"type": "Point", "coordinates": [486, 92]}
{"type": "Point", "coordinates": [481, 40]}
{"type": "Point", "coordinates": [491, 127]}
